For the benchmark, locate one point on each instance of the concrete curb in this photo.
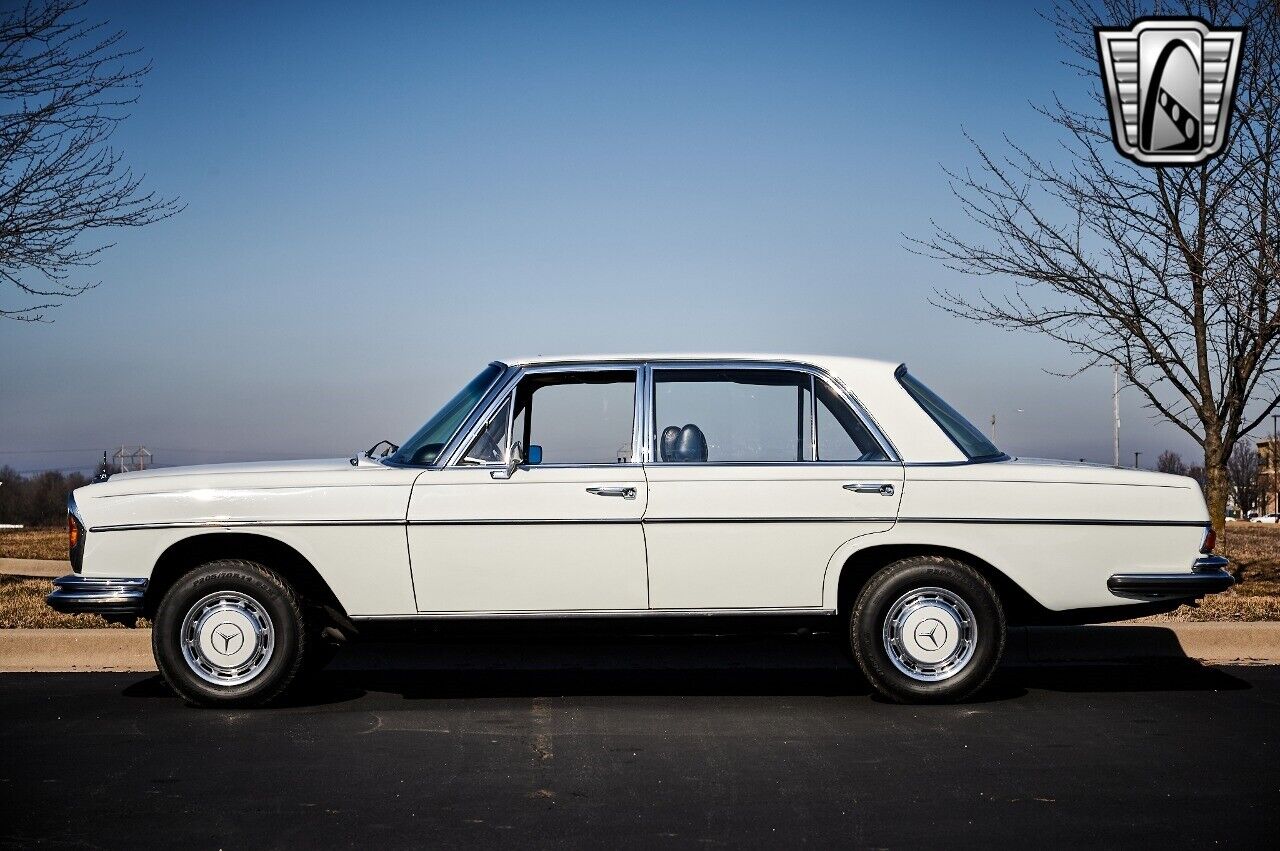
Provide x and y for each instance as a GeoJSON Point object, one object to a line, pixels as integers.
{"type": "Point", "coordinates": [75, 650]}
{"type": "Point", "coordinates": [38, 567]}
{"type": "Point", "coordinates": [1213, 642]}
{"type": "Point", "coordinates": [52, 650]}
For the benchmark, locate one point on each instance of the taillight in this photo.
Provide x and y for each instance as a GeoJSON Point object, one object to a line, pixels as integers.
{"type": "Point", "coordinates": [1210, 540]}
{"type": "Point", "coordinates": [73, 533]}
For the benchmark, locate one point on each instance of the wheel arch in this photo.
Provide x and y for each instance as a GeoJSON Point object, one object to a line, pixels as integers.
{"type": "Point", "coordinates": [188, 553]}
{"type": "Point", "coordinates": [861, 565]}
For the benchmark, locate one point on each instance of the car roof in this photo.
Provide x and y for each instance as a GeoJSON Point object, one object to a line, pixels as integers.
{"type": "Point", "coordinates": [812, 360]}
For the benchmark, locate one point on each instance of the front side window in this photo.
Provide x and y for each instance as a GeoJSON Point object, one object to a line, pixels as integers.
{"type": "Point", "coordinates": [963, 433]}
{"type": "Point", "coordinates": [570, 417]}
{"type": "Point", "coordinates": [425, 446]}
{"type": "Point", "coordinates": [489, 445]}
{"type": "Point", "coordinates": [746, 416]}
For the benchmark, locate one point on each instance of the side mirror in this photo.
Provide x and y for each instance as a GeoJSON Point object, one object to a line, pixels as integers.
{"type": "Point", "coordinates": [535, 454]}
{"type": "Point", "coordinates": [513, 458]}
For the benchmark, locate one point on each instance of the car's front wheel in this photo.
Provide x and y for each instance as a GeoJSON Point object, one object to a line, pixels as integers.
{"type": "Point", "coordinates": [229, 633]}
{"type": "Point", "coordinates": [927, 629]}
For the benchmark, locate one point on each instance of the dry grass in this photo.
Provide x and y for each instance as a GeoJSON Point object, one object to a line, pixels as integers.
{"type": "Point", "coordinates": [34, 543]}
{"type": "Point", "coordinates": [1228, 606]}
{"type": "Point", "coordinates": [1254, 551]}
{"type": "Point", "coordinates": [22, 606]}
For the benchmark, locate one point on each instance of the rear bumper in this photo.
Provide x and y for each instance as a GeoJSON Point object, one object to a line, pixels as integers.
{"type": "Point", "coordinates": [1208, 576]}
{"type": "Point", "coordinates": [106, 596]}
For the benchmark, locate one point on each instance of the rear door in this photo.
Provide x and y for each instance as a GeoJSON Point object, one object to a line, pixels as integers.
{"type": "Point", "coordinates": [757, 475]}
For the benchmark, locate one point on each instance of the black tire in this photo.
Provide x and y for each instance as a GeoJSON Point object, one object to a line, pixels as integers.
{"type": "Point", "coordinates": [919, 595]}
{"type": "Point", "coordinates": [272, 605]}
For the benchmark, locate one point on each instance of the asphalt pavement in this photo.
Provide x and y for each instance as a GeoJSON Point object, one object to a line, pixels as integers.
{"type": "Point", "coordinates": [748, 743]}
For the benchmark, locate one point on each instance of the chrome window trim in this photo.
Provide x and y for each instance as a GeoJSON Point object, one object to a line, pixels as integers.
{"type": "Point", "coordinates": [454, 453]}
{"type": "Point", "coordinates": [813, 417]}
{"type": "Point", "coordinates": [987, 459]}
{"type": "Point", "coordinates": [799, 465]}
{"type": "Point", "coordinates": [837, 387]}
{"type": "Point", "coordinates": [644, 437]}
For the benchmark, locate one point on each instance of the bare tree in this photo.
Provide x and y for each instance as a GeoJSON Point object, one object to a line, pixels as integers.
{"type": "Point", "coordinates": [1168, 273]}
{"type": "Point", "coordinates": [1171, 462]}
{"type": "Point", "coordinates": [1244, 473]}
{"type": "Point", "coordinates": [65, 85]}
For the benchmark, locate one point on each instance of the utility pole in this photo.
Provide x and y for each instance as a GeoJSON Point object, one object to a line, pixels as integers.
{"type": "Point", "coordinates": [1115, 415]}
{"type": "Point", "coordinates": [129, 458]}
{"type": "Point", "coordinates": [1275, 485]}
{"type": "Point", "coordinates": [1135, 459]}
{"type": "Point", "coordinates": [993, 430]}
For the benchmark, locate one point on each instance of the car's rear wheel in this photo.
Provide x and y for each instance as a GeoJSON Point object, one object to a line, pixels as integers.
{"type": "Point", "coordinates": [927, 629]}
{"type": "Point", "coordinates": [229, 633]}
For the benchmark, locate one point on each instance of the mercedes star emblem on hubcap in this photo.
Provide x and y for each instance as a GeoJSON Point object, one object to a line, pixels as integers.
{"type": "Point", "coordinates": [228, 639]}
{"type": "Point", "coordinates": [930, 634]}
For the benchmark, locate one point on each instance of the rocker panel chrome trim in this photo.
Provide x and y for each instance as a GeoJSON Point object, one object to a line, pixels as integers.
{"type": "Point", "coordinates": [596, 613]}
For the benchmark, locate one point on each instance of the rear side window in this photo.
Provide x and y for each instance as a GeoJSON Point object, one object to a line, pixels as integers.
{"type": "Point", "coordinates": [963, 433]}
{"type": "Point", "coordinates": [731, 416]}
{"type": "Point", "coordinates": [753, 416]}
{"type": "Point", "coordinates": [841, 435]}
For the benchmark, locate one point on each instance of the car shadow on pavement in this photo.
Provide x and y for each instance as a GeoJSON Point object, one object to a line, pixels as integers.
{"type": "Point", "coordinates": [723, 666]}
{"type": "Point", "coordinates": [1135, 676]}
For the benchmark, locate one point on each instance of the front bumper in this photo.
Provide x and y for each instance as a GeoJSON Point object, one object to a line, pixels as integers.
{"type": "Point", "coordinates": [1208, 576]}
{"type": "Point", "coordinates": [105, 596]}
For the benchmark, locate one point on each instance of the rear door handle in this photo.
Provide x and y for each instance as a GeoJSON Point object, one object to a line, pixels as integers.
{"type": "Point", "coordinates": [624, 492]}
{"type": "Point", "coordinates": [869, 487]}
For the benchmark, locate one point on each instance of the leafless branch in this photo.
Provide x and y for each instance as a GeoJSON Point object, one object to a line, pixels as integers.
{"type": "Point", "coordinates": [1168, 273]}
{"type": "Point", "coordinates": [65, 85]}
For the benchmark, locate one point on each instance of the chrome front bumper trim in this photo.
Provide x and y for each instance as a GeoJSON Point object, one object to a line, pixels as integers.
{"type": "Point", "coordinates": [109, 596]}
{"type": "Point", "coordinates": [1208, 576]}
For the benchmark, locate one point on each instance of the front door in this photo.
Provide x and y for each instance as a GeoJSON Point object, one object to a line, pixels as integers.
{"type": "Point", "coordinates": [757, 476]}
{"type": "Point", "coordinates": [562, 533]}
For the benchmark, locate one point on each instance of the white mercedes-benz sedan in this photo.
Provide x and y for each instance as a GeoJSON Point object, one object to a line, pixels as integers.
{"type": "Point", "coordinates": [840, 491]}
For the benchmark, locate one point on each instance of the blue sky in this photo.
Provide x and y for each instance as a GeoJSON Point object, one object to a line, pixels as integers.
{"type": "Point", "coordinates": [381, 199]}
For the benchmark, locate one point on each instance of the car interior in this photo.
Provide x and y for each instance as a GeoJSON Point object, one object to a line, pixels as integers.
{"type": "Point", "coordinates": [683, 444]}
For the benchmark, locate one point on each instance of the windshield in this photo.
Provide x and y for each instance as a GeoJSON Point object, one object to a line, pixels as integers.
{"type": "Point", "coordinates": [425, 446]}
{"type": "Point", "coordinates": [963, 433]}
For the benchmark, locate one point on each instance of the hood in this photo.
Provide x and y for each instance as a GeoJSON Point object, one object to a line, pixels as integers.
{"type": "Point", "coordinates": [318, 465]}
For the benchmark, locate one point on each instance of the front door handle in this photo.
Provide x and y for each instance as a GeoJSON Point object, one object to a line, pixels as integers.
{"type": "Point", "coordinates": [868, 487]}
{"type": "Point", "coordinates": [624, 492]}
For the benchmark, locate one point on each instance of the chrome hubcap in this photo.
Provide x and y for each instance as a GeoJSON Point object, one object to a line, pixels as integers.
{"type": "Point", "coordinates": [227, 638]}
{"type": "Point", "coordinates": [930, 634]}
